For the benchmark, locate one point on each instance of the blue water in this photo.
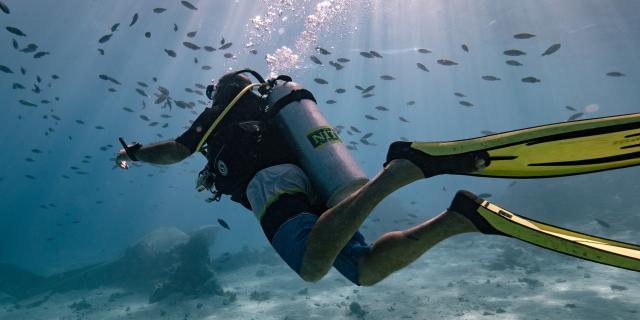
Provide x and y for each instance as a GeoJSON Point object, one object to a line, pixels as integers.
{"type": "Point", "coordinates": [62, 218]}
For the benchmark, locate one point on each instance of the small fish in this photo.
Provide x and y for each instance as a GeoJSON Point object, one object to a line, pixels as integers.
{"type": "Point", "coordinates": [171, 53]}
{"type": "Point", "coordinates": [603, 223]}
{"type": "Point", "coordinates": [575, 116]}
{"type": "Point", "coordinates": [551, 49]}
{"type": "Point", "coordinates": [101, 51]}
{"type": "Point", "coordinates": [112, 80]}
{"type": "Point", "coordinates": [323, 51]}
{"type": "Point", "coordinates": [368, 95]}
{"type": "Point", "coordinates": [366, 54]}
{"type": "Point", "coordinates": [367, 135]}
{"type": "Point", "coordinates": [514, 53]}
{"type": "Point", "coordinates": [17, 86]}
{"type": "Point", "coordinates": [368, 89]}
{"type": "Point", "coordinates": [359, 87]}
{"type": "Point", "coordinates": [192, 34]}
{"type": "Point", "coordinates": [4, 8]}
{"type": "Point", "coordinates": [375, 54]}
{"type": "Point", "coordinates": [387, 77]}
{"type": "Point", "coordinates": [55, 77]}
{"type": "Point", "coordinates": [153, 124]}
{"type": "Point", "coordinates": [115, 27]}
{"type": "Point", "coordinates": [16, 31]}
{"type": "Point", "coordinates": [487, 132]}
{"type": "Point", "coordinates": [141, 92]}
{"type": "Point", "coordinates": [127, 109]}
{"type": "Point", "coordinates": [253, 51]}
{"type": "Point", "coordinates": [336, 65]}
{"type": "Point", "coordinates": [485, 195]}
{"type": "Point", "coordinates": [320, 81]}
{"type": "Point", "coordinates": [209, 48]}
{"type": "Point", "coordinates": [40, 54]}
{"type": "Point", "coordinates": [191, 46]}
{"type": "Point", "coordinates": [5, 69]}
{"type": "Point", "coordinates": [570, 108]}
{"type": "Point", "coordinates": [224, 224]}
{"type": "Point", "coordinates": [188, 5]}
{"type": "Point", "coordinates": [112, 90]}
{"type": "Point", "coordinates": [222, 41]}
{"type": "Point", "coordinates": [27, 103]}
{"type": "Point", "coordinates": [446, 62]}
{"type": "Point", "coordinates": [32, 47]}
{"type": "Point", "coordinates": [79, 122]}
{"type": "Point", "coordinates": [145, 118]}
{"type": "Point", "coordinates": [105, 38]}
{"type": "Point", "coordinates": [422, 67]}
{"type": "Point", "coordinates": [315, 60]}
{"type": "Point", "coordinates": [340, 90]}
{"type": "Point", "coordinates": [165, 116]}
{"type": "Point", "coordinates": [14, 42]}
{"type": "Point", "coordinates": [343, 60]}
{"type": "Point", "coordinates": [134, 19]}
{"type": "Point", "coordinates": [99, 127]}
{"type": "Point", "coordinates": [159, 10]}
{"type": "Point", "coordinates": [382, 108]}
{"type": "Point", "coordinates": [524, 35]}
{"type": "Point", "coordinates": [175, 27]}
{"type": "Point", "coordinates": [225, 46]}
{"type": "Point", "coordinates": [615, 74]}
{"type": "Point", "coordinates": [465, 48]}
{"type": "Point", "coordinates": [370, 117]}
{"type": "Point", "coordinates": [23, 71]}
{"type": "Point", "coordinates": [142, 84]}
{"type": "Point", "coordinates": [206, 68]}
{"type": "Point", "coordinates": [403, 119]}
{"type": "Point", "coordinates": [530, 80]}
{"type": "Point", "coordinates": [354, 129]}
{"type": "Point", "coordinates": [513, 63]}
{"type": "Point", "coordinates": [466, 103]}
{"type": "Point", "coordinates": [147, 34]}
{"type": "Point", "coordinates": [424, 50]}
{"type": "Point", "coordinates": [330, 102]}
{"type": "Point", "coordinates": [410, 103]}
{"type": "Point", "coordinates": [490, 78]}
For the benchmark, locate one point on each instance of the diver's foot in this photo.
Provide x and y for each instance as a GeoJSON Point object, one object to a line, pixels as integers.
{"type": "Point", "coordinates": [466, 204]}
{"type": "Point", "coordinates": [435, 165]}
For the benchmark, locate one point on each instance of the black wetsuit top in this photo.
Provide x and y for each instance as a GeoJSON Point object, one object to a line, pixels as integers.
{"type": "Point", "coordinates": [244, 143]}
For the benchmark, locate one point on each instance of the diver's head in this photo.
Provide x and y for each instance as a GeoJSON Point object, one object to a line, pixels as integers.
{"type": "Point", "coordinates": [227, 87]}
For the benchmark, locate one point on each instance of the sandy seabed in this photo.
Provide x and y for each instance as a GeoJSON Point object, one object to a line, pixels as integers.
{"type": "Point", "coordinates": [471, 277]}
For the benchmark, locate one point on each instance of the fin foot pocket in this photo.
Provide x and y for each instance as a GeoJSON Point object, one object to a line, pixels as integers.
{"type": "Point", "coordinates": [434, 165]}
{"type": "Point", "coordinates": [466, 204]}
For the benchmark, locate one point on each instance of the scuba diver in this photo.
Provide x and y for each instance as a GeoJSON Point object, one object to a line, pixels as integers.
{"type": "Point", "coordinates": [274, 153]}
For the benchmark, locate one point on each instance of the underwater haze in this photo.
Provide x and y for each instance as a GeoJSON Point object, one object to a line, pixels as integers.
{"type": "Point", "coordinates": [76, 75]}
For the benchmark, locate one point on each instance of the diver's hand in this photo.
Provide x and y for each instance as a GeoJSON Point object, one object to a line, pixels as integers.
{"type": "Point", "coordinates": [122, 158]}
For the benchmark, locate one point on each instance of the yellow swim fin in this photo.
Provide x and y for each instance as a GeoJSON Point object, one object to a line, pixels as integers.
{"type": "Point", "coordinates": [559, 149]}
{"type": "Point", "coordinates": [491, 219]}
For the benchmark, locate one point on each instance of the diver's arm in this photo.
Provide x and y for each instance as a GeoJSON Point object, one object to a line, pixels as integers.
{"type": "Point", "coordinates": [166, 152]}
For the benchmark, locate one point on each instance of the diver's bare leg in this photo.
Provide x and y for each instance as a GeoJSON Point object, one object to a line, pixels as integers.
{"type": "Point", "coordinates": [337, 225]}
{"type": "Point", "coordinates": [395, 250]}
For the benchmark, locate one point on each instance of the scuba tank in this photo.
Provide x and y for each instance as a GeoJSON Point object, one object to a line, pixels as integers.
{"type": "Point", "coordinates": [322, 155]}
{"type": "Point", "coordinates": [319, 150]}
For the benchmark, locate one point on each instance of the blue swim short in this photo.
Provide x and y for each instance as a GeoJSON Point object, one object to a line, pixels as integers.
{"type": "Point", "coordinates": [283, 200]}
{"type": "Point", "coordinates": [290, 241]}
